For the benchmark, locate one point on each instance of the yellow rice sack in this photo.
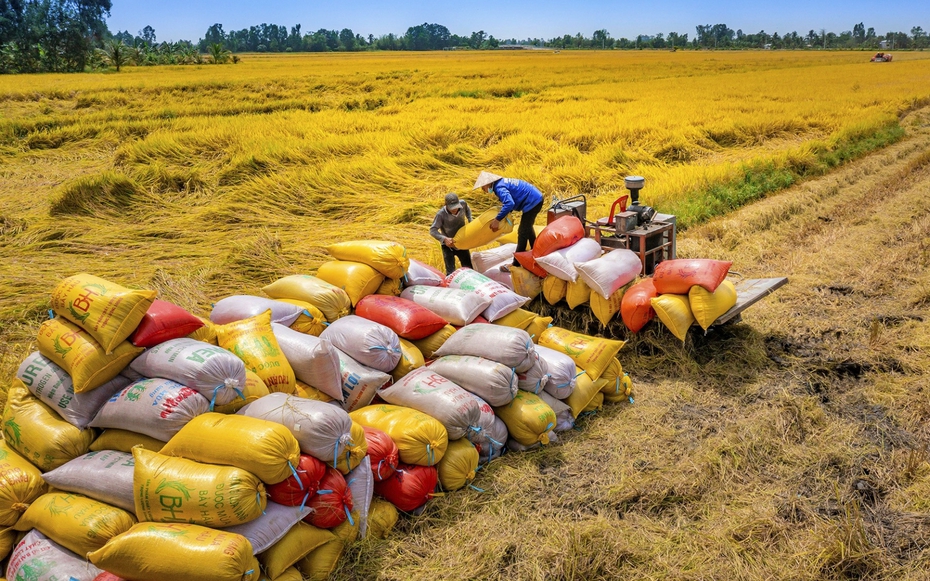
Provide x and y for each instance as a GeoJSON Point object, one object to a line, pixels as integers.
{"type": "Point", "coordinates": [322, 561]}
{"type": "Point", "coordinates": [607, 309]}
{"type": "Point", "coordinates": [421, 439]}
{"type": "Point", "coordinates": [382, 516]}
{"type": "Point", "coordinates": [124, 441]}
{"type": "Point", "coordinates": [78, 523]}
{"type": "Point", "coordinates": [519, 319]}
{"type": "Point", "coordinates": [309, 392]}
{"type": "Point", "coordinates": [178, 552]}
{"type": "Point", "coordinates": [311, 321]}
{"type": "Point", "coordinates": [81, 355]}
{"type": "Point", "coordinates": [593, 354]}
{"type": "Point", "coordinates": [536, 328]}
{"type": "Point", "coordinates": [207, 333]}
{"type": "Point", "coordinates": [458, 465]}
{"type": "Point", "coordinates": [254, 388]}
{"type": "Point", "coordinates": [253, 341]}
{"type": "Point", "coordinates": [528, 418]}
{"type": "Point", "coordinates": [289, 574]}
{"type": "Point", "coordinates": [266, 449]}
{"type": "Point", "coordinates": [167, 489]}
{"type": "Point", "coordinates": [410, 359]}
{"type": "Point", "coordinates": [293, 546]}
{"type": "Point", "coordinates": [357, 279]}
{"type": "Point", "coordinates": [348, 530]}
{"type": "Point", "coordinates": [585, 391]}
{"type": "Point", "coordinates": [7, 542]}
{"type": "Point", "coordinates": [391, 286]}
{"type": "Point", "coordinates": [332, 301]}
{"type": "Point", "coordinates": [596, 403]}
{"type": "Point", "coordinates": [388, 258]}
{"type": "Point", "coordinates": [707, 306]}
{"type": "Point", "coordinates": [554, 289]}
{"type": "Point", "coordinates": [613, 375]}
{"type": "Point", "coordinates": [675, 312]}
{"type": "Point", "coordinates": [355, 451]}
{"type": "Point", "coordinates": [525, 283]}
{"type": "Point", "coordinates": [576, 293]}
{"type": "Point", "coordinates": [511, 237]}
{"type": "Point", "coordinates": [107, 311]}
{"type": "Point", "coordinates": [623, 393]}
{"type": "Point", "coordinates": [478, 232]}
{"type": "Point", "coordinates": [38, 434]}
{"type": "Point", "coordinates": [20, 484]}
{"type": "Point", "coordinates": [430, 344]}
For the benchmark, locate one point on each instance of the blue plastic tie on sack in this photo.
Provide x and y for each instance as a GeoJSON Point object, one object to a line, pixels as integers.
{"type": "Point", "coordinates": [430, 457]}
{"type": "Point", "coordinates": [294, 472]}
{"type": "Point", "coordinates": [51, 314]}
{"type": "Point", "coordinates": [470, 485]}
{"type": "Point", "coordinates": [348, 514]}
{"type": "Point", "coordinates": [336, 454]}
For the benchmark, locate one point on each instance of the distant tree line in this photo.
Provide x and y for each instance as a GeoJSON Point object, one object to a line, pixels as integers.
{"type": "Point", "coordinates": [72, 35]}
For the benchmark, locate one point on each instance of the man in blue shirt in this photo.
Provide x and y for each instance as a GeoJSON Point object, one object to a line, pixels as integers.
{"type": "Point", "coordinates": [515, 195]}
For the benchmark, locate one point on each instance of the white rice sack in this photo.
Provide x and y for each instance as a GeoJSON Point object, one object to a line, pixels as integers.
{"type": "Point", "coordinates": [535, 378]}
{"type": "Point", "coordinates": [105, 476]}
{"type": "Point", "coordinates": [564, 420]}
{"type": "Point", "coordinates": [610, 272]}
{"type": "Point", "coordinates": [315, 361]}
{"type": "Point", "coordinates": [361, 482]}
{"type": "Point", "coordinates": [508, 345]}
{"type": "Point", "coordinates": [322, 429]}
{"type": "Point", "coordinates": [496, 435]}
{"type": "Point", "coordinates": [562, 372]}
{"type": "Point", "coordinates": [421, 274]}
{"type": "Point", "coordinates": [271, 526]}
{"type": "Point", "coordinates": [213, 372]}
{"type": "Point", "coordinates": [52, 384]}
{"type": "Point", "coordinates": [155, 407]}
{"type": "Point", "coordinates": [496, 275]}
{"type": "Point", "coordinates": [368, 342]}
{"type": "Point", "coordinates": [241, 307]}
{"type": "Point", "coordinates": [561, 263]}
{"type": "Point", "coordinates": [38, 558]}
{"type": "Point", "coordinates": [483, 260]}
{"type": "Point", "coordinates": [492, 381]}
{"type": "Point", "coordinates": [426, 391]}
{"type": "Point", "coordinates": [360, 383]}
{"type": "Point", "coordinates": [503, 300]}
{"type": "Point", "coordinates": [457, 306]}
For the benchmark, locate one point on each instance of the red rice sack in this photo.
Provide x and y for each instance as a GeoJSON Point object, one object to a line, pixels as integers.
{"type": "Point", "coordinates": [382, 453]}
{"type": "Point", "coordinates": [300, 486]}
{"type": "Point", "coordinates": [212, 371]}
{"type": "Point", "coordinates": [527, 261]}
{"type": "Point", "coordinates": [608, 273]}
{"type": "Point", "coordinates": [482, 260]}
{"type": "Point", "coordinates": [677, 276]}
{"type": "Point", "coordinates": [420, 273]}
{"type": "Point", "coordinates": [561, 263]}
{"type": "Point", "coordinates": [332, 503]}
{"type": "Point", "coordinates": [359, 382]}
{"type": "Point", "coordinates": [503, 300]}
{"type": "Point", "coordinates": [558, 234]}
{"type": "Point", "coordinates": [405, 317]}
{"type": "Point", "coordinates": [53, 386]}
{"type": "Point", "coordinates": [457, 306]}
{"type": "Point", "coordinates": [155, 407]}
{"type": "Point", "coordinates": [492, 381]}
{"type": "Point", "coordinates": [368, 342]}
{"type": "Point", "coordinates": [240, 307]}
{"type": "Point", "coordinates": [315, 360]}
{"type": "Point", "coordinates": [636, 306]}
{"type": "Point", "coordinates": [164, 321]}
{"type": "Point", "coordinates": [510, 346]}
{"type": "Point", "coordinates": [410, 487]}
{"type": "Point", "coordinates": [425, 390]}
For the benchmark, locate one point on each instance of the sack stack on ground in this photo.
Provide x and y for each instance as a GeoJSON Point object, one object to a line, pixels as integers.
{"type": "Point", "coordinates": [261, 440]}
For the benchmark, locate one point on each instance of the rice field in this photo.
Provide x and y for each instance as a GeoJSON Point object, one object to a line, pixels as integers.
{"type": "Point", "coordinates": [206, 181]}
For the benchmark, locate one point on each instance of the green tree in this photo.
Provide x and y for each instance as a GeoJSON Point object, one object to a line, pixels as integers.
{"type": "Point", "coordinates": [115, 54]}
{"type": "Point", "coordinates": [218, 53]}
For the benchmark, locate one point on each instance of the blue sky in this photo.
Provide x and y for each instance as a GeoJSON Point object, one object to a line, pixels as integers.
{"type": "Point", "coordinates": [189, 20]}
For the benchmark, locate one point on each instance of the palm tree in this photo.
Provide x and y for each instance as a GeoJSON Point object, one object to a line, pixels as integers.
{"type": "Point", "coordinates": [218, 53]}
{"type": "Point", "coordinates": [115, 53]}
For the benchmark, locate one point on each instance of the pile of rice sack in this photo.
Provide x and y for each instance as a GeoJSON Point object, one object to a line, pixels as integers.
{"type": "Point", "coordinates": [143, 442]}
{"type": "Point", "coordinates": [566, 266]}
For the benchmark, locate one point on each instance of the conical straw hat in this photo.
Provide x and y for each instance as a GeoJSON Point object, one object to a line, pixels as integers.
{"type": "Point", "coordinates": [485, 178]}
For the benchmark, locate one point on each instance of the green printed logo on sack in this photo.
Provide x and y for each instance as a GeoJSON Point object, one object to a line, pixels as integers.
{"type": "Point", "coordinates": [84, 301]}
{"type": "Point", "coordinates": [56, 509]}
{"type": "Point", "coordinates": [429, 383]}
{"type": "Point", "coordinates": [168, 531]}
{"type": "Point", "coordinates": [171, 503]}
{"type": "Point", "coordinates": [34, 570]}
{"type": "Point", "coordinates": [13, 433]}
{"type": "Point", "coordinates": [59, 348]}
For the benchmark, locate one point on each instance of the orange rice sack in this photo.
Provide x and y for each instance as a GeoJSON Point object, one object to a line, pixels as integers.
{"type": "Point", "coordinates": [636, 306]}
{"type": "Point", "coordinates": [677, 276]}
{"type": "Point", "coordinates": [560, 233]}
